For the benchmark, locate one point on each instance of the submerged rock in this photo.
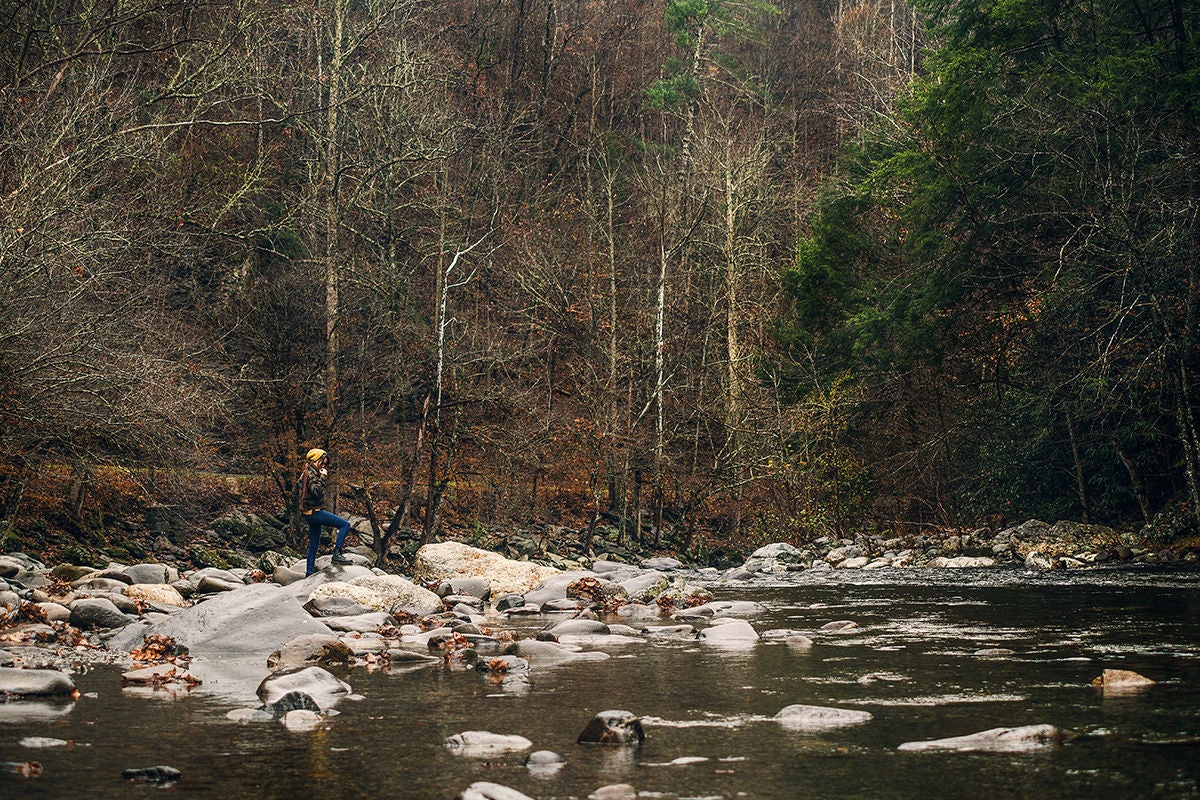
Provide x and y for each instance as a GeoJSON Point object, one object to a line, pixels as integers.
{"type": "Point", "coordinates": [996, 740]}
{"type": "Point", "coordinates": [613, 727]}
{"type": "Point", "coordinates": [483, 790]}
{"type": "Point", "coordinates": [159, 776]}
{"type": "Point", "coordinates": [477, 744]}
{"type": "Point", "coordinates": [806, 717]}
{"type": "Point", "coordinates": [1121, 680]}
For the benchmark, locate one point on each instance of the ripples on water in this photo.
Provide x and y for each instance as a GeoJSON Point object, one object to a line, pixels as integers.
{"type": "Point", "coordinates": [924, 661]}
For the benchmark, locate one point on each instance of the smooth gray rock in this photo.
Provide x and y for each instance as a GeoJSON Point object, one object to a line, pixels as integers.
{"type": "Point", "coordinates": [578, 627]}
{"type": "Point", "coordinates": [996, 740]}
{"type": "Point", "coordinates": [94, 613]}
{"type": "Point", "coordinates": [311, 650]}
{"type": "Point", "coordinates": [149, 573]}
{"type": "Point", "coordinates": [735, 632]}
{"type": "Point", "coordinates": [480, 744]}
{"type": "Point", "coordinates": [255, 619]}
{"type": "Point", "coordinates": [484, 790]}
{"type": "Point", "coordinates": [35, 682]}
{"type": "Point", "coordinates": [321, 685]}
{"type": "Point", "coordinates": [810, 718]}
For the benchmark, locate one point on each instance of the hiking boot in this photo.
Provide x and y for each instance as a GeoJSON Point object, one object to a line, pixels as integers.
{"type": "Point", "coordinates": [340, 558]}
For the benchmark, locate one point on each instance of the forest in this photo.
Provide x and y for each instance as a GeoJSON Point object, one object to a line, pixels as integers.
{"type": "Point", "coordinates": [709, 272]}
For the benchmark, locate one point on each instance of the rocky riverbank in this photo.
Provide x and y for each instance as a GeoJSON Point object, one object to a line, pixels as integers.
{"type": "Point", "coordinates": [287, 646]}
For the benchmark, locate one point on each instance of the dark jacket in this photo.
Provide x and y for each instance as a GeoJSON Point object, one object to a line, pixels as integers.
{"type": "Point", "coordinates": [312, 489]}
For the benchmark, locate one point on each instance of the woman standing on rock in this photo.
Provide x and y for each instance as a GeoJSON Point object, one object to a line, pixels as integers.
{"type": "Point", "coordinates": [312, 504]}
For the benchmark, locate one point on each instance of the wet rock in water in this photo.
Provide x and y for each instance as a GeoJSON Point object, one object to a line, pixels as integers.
{"type": "Point", "coordinates": [554, 653]}
{"type": "Point", "coordinates": [322, 686]}
{"type": "Point", "coordinates": [1121, 680]}
{"type": "Point", "coordinates": [613, 727]}
{"type": "Point", "coordinates": [614, 791]}
{"type": "Point", "coordinates": [302, 720]}
{"type": "Point", "coordinates": [360, 623]}
{"type": "Point", "coordinates": [311, 650]}
{"type": "Point", "coordinates": [725, 608]}
{"type": "Point", "coordinates": [729, 632]}
{"type": "Point", "coordinates": [960, 562]}
{"type": "Point", "coordinates": [97, 613]}
{"type": "Point", "coordinates": [1036, 560]}
{"type": "Point", "coordinates": [509, 601]}
{"type": "Point", "coordinates": [544, 762]}
{"type": "Point", "coordinates": [799, 642]}
{"type": "Point", "coordinates": [577, 627]}
{"type": "Point", "coordinates": [503, 665]}
{"type": "Point", "coordinates": [483, 790]}
{"type": "Point", "coordinates": [480, 744]}
{"type": "Point", "coordinates": [812, 718]}
{"type": "Point", "coordinates": [43, 741]}
{"type": "Point", "coordinates": [292, 701]}
{"type": "Point", "coordinates": [996, 740]}
{"type": "Point", "coordinates": [35, 682]}
{"type": "Point", "coordinates": [840, 626]}
{"type": "Point", "coordinates": [21, 769]}
{"type": "Point", "coordinates": [159, 776]}
{"type": "Point", "coordinates": [989, 652]}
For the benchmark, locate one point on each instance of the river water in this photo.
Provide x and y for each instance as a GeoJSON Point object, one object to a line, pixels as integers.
{"type": "Point", "coordinates": [913, 663]}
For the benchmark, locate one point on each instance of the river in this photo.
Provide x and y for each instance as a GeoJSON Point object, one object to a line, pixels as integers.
{"type": "Point", "coordinates": [913, 663]}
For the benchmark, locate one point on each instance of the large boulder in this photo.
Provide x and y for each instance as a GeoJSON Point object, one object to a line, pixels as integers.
{"type": "Point", "coordinates": [255, 619]}
{"type": "Point", "coordinates": [400, 594]}
{"type": "Point", "coordinates": [449, 560]}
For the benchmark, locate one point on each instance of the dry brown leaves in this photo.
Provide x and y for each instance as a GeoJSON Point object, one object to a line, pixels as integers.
{"type": "Point", "coordinates": [456, 649]}
{"type": "Point", "coordinates": [159, 649]}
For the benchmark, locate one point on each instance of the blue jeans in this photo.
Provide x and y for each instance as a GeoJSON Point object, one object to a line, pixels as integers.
{"type": "Point", "coordinates": [317, 520]}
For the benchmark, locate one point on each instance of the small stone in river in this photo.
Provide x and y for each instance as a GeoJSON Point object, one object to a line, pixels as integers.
{"type": "Point", "coordinates": [485, 743]}
{"type": "Point", "coordinates": [838, 626]}
{"type": "Point", "coordinates": [544, 763]}
{"type": "Point", "coordinates": [483, 790]}
{"type": "Point", "coordinates": [22, 769]}
{"type": "Point", "coordinates": [614, 791]}
{"type": "Point", "coordinates": [807, 717]}
{"type": "Point", "coordinates": [159, 775]}
{"type": "Point", "coordinates": [301, 719]}
{"type": "Point", "coordinates": [1121, 680]}
{"type": "Point", "coordinates": [613, 727]}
